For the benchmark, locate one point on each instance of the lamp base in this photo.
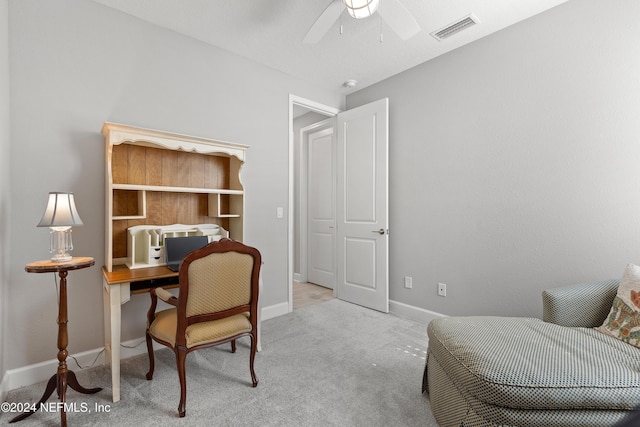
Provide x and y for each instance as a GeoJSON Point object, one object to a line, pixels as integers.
{"type": "Point", "coordinates": [61, 258]}
{"type": "Point", "coordinates": [60, 244]}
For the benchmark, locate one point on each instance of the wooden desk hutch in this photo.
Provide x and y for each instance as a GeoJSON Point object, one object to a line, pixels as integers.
{"type": "Point", "coordinates": [162, 180]}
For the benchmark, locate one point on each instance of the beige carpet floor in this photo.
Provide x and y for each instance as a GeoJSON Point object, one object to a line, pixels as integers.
{"type": "Point", "coordinates": [329, 364]}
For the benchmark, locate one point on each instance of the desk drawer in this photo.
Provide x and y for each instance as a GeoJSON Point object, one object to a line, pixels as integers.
{"type": "Point", "coordinates": [156, 255]}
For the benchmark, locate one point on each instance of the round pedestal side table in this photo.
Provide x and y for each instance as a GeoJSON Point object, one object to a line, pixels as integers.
{"type": "Point", "coordinates": [63, 377]}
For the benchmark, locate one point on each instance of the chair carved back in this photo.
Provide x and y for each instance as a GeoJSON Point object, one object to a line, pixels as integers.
{"type": "Point", "coordinates": [218, 281]}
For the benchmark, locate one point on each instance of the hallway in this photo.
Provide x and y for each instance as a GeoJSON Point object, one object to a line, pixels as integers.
{"type": "Point", "coordinates": [305, 294]}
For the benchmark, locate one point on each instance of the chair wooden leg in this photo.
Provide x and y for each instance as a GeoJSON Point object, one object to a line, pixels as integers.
{"type": "Point", "coordinates": [233, 346]}
{"type": "Point", "coordinates": [254, 344]}
{"type": "Point", "coordinates": [181, 357]}
{"type": "Point", "coordinates": [151, 356]}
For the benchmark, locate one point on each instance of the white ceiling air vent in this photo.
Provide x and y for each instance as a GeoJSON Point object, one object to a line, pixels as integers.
{"type": "Point", "coordinates": [455, 27]}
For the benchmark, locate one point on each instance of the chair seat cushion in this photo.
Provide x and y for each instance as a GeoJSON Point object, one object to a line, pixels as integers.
{"type": "Point", "coordinates": [525, 363]}
{"type": "Point", "coordinates": [166, 322]}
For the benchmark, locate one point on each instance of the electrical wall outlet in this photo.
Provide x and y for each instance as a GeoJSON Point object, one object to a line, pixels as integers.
{"type": "Point", "coordinates": [408, 282]}
{"type": "Point", "coordinates": [442, 289]}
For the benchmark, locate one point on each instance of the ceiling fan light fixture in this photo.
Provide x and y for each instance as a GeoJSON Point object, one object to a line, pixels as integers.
{"type": "Point", "coordinates": [360, 9]}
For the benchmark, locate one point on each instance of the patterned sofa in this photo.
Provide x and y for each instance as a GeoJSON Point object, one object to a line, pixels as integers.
{"type": "Point", "coordinates": [501, 371]}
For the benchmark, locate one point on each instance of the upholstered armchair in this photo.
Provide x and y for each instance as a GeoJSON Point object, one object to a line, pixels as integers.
{"type": "Point", "coordinates": [217, 303]}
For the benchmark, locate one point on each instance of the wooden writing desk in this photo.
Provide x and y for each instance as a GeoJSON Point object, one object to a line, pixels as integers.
{"type": "Point", "coordinates": [118, 286]}
{"type": "Point", "coordinates": [154, 277]}
{"type": "Point", "coordinates": [158, 178]}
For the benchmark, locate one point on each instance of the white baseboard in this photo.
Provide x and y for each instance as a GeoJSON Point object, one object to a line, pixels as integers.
{"type": "Point", "coordinates": [136, 347]}
{"type": "Point", "coordinates": [296, 277]}
{"type": "Point", "coordinates": [274, 311]}
{"type": "Point", "coordinates": [38, 372]}
{"type": "Point", "coordinates": [414, 313]}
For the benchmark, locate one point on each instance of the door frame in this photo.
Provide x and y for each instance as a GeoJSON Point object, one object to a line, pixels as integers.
{"type": "Point", "coordinates": [312, 106]}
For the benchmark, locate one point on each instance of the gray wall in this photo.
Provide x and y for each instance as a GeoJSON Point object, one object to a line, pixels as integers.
{"type": "Point", "coordinates": [514, 162]}
{"type": "Point", "coordinates": [4, 178]}
{"type": "Point", "coordinates": [76, 64]}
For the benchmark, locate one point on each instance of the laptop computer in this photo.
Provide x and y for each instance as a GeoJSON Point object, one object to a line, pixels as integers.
{"type": "Point", "coordinates": [177, 248]}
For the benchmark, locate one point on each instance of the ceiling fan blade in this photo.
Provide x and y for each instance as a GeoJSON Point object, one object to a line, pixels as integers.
{"type": "Point", "coordinates": [398, 17]}
{"type": "Point", "coordinates": [324, 22]}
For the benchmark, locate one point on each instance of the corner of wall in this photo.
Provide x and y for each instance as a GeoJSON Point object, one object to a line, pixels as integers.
{"type": "Point", "coordinates": [4, 186]}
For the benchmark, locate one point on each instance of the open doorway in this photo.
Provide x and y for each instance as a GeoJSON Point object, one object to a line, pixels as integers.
{"type": "Point", "coordinates": [361, 209]}
{"type": "Point", "coordinates": [309, 123]}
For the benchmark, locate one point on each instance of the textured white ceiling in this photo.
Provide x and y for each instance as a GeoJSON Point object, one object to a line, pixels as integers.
{"type": "Point", "coordinates": [271, 31]}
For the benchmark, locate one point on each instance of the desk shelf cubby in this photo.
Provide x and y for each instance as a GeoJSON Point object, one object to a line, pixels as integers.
{"type": "Point", "coordinates": [157, 179]}
{"type": "Point", "coordinates": [145, 243]}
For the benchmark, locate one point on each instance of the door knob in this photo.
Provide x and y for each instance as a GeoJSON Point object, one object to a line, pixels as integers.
{"type": "Point", "coordinates": [381, 231]}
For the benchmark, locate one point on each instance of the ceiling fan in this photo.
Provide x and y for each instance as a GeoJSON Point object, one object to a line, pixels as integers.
{"type": "Point", "coordinates": [394, 14]}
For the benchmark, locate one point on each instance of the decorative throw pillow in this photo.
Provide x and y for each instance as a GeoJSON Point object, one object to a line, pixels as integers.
{"type": "Point", "coordinates": [623, 321]}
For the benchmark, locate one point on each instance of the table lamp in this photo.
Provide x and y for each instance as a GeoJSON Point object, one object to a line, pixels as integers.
{"type": "Point", "coordinates": [60, 215]}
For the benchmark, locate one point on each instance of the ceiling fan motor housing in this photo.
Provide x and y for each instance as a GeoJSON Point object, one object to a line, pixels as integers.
{"type": "Point", "coordinates": [360, 9]}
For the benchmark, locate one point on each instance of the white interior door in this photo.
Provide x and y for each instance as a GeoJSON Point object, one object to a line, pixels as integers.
{"type": "Point", "coordinates": [362, 250]}
{"type": "Point", "coordinates": [321, 209]}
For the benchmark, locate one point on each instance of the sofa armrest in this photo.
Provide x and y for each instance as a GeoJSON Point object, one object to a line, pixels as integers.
{"type": "Point", "coordinates": [584, 305]}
